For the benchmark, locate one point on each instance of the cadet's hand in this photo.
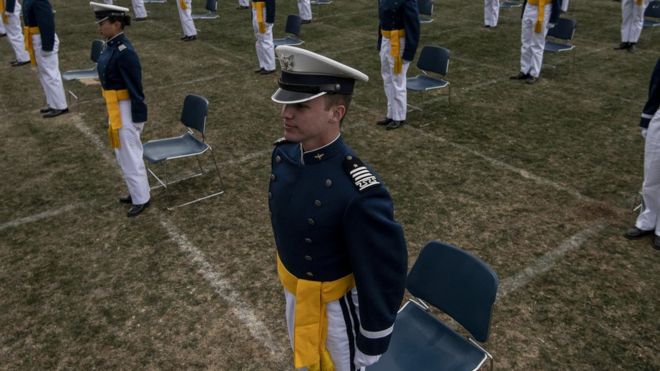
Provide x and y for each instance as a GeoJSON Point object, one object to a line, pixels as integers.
{"type": "Point", "coordinates": [643, 132]}
{"type": "Point", "coordinates": [362, 360]}
{"type": "Point", "coordinates": [47, 53]}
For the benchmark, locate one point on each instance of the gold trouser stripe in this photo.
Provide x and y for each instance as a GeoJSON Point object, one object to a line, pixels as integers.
{"type": "Point", "coordinates": [27, 35]}
{"type": "Point", "coordinates": [112, 98]}
{"type": "Point", "coordinates": [5, 18]}
{"type": "Point", "coordinates": [395, 47]}
{"type": "Point", "coordinates": [183, 5]}
{"type": "Point", "coordinates": [538, 26]}
{"type": "Point", "coordinates": [310, 319]}
{"type": "Point", "coordinates": [260, 10]}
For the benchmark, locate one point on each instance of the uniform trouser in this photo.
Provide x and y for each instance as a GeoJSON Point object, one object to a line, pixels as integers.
{"type": "Point", "coordinates": [264, 44]}
{"type": "Point", "coordinates": [139, 9]}
{"type": "Point", "coordinates": [491, 12]}
{"type": "Point", "coordinates": [648, 217]}
{"type": "Point", "coordinates": [394, 83]}
{"type": "Point", "coordinates": [305, 10]}
{"type": "Point", "coordinates": [564, 6]}
{"type": "Point", "coordinates": [243, 2]}
{"type": "Point", "coordinates": [533, 43]}
{"type": "Point", "coordinates": [48, 70]}
{"type": "Point", "coordinates": [2, 29]}
{"type": "Point", "coordinates": [15, 34]}
{"type": "Point", "coordinates": [343, 322]}
{"type": "Point", "coordinates": [632, 20]}
{"type": "Point", "coordinates": [129, 156]}
{"type": "Point", "coordinates": [185, 15]}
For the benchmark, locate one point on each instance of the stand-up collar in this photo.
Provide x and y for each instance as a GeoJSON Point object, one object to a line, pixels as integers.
{"type": "Point", "coordinates": [324, 153]}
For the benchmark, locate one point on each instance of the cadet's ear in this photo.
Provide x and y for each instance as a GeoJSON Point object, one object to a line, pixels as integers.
{"type": "Point", "coordinates": [338, 112]}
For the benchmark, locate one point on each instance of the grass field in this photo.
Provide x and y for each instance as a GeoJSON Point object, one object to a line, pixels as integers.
{"type": "Point", "coordinates": [538, 179]}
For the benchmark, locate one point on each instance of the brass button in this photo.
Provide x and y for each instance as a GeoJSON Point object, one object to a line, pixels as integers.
{"type": "Point", "coordinates": [317, 203]}
{"type": "Point", "coordinates": [278, 158]}
{"type": "Point", "coordinates": [308, 258]}
{"type": "Point", "coordinates": [328, 183]}
{"type": "Point", "coordinates": [272, 177]}
{"type": "Point", "coordinates": [311, 221]}
{"type": "Point", "coordinates": [309, 274]}
{"type": "Point", "coordinates": [308, 240]}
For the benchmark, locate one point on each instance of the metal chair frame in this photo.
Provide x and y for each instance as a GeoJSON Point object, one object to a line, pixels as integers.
{"type": "Point", "coordinates": [90, 73]}
{"type": "Point", "coordinates": [423, 68]}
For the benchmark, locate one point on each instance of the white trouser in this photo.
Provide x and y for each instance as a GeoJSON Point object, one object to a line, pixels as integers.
{"type": "Point", "coordinates": [187, 24]}
{"type": "Point", "coordinates": [243, 2]}
{"type": "Point", "coordinates": [139, 9]}
{"type": "Point", "coordinates": [632, 20]}
{"type": "Point", "coordinates": [15, 34]}
{"type": "Point", "coordinates": [491, 12]}
{"type": "Point", "coordinates": [394, 84]}
{"type": "Point", "coordinates": [129, 156]}
{"type": "Point", "coordinates": [648, 217]}
{"type": "Point", "coordinates": [48, 70]}
{"type": "Point", "coordinates": [531, 51]}
{"type": "Point", "coordinates": [305, 10]}
{"type": "Point", "coordinates": [264, 44]}
{"type": "Point", "coordinates": [564, 6]}
{"type": "Point", "coordinates": [343, 318]}
{"type": "Point", "coordinates": [2, 28]}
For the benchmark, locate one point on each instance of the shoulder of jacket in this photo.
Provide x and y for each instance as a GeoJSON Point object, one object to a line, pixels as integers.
{"type": "Point", "coordinates": [361, 177]}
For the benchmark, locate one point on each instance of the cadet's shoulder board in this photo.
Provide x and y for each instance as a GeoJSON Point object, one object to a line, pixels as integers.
{"type": "Point", "coordinates": [280, 141]}
{"type": "Point", "coordinates": [356, 170]}
{"type": "Point", "coordinates": [121, 47]}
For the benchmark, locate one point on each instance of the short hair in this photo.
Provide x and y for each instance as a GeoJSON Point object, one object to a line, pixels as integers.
{"type": "Point", "coordinates": [332, 100]}
{"type": "Point", "coordinates": [125, 20]}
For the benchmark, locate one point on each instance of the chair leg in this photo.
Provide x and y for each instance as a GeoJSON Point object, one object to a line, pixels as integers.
{"type": "Point", "coordinates": [217, 169]}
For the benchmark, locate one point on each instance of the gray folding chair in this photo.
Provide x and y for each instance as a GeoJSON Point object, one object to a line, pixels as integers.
{"type": "Point", "coordinates": [155, 1]}
{"type": "Point", "coordinates": [432, 59]}
{"type": "Point", "coordinates": [652, 15]}
{"type": "Point", "coordinates": [292, 28]}
{"type": "Point", "coordinates": [425, 11]}
{"type": "Point", "coordinates": [193, 117]}
{"type": "Point", "coordinates": [563, 32]}
{"type": "Point", "coordinates": [460, 285]}
{"type": "Point", "coordinates": [211, 11]}
{"type": "Point", "coordinates": [90, 73]}
{"type": "Point", "coordinates": [319, 3]}
{"type": "Point", "coordinates": [508, 4]}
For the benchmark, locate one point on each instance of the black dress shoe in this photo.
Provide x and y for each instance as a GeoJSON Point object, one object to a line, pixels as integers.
{"type": "Point", "coordinates": [189, 38]}
{"type": "Point", "coordinates": [635, 233]}
{"type": "Point", "coordinates": [140, 19]}
{"type": "Point", "coordinates": [395, 124]}
{"type": "Point", "coordinates": [46, 110]}
{"type": "Point", "coordinates": [18, 63]}
{"type": "Point", "coordinates": [631, 47]}
{"type": "Point", "coordinates": [55, 113]}
{"type": "Point", "coordinates": [655, 242]}
{"type": "Point", "coordinates": [532, 80]}
{"type": "Point", "coordinates": [242, 7]}
{"type": "Point", "coordinates": [520, 76]}
{"type": "Point", "coordinates": [259, 70]}
{"type": "Point", "coordinates": [622, 46]}
{"type": "Point", "coordinates": [137, 209]}
{"type": "Point", "coordinates": [266, 72]}
{"type": "Point", "coordinates": [3, 34]}
{"type": "Point", "coordinates": [384, 122]}
{"type": "Point", "coordinates": [306, 21]}
{"type": "Point", "coordinates": [126, 200]}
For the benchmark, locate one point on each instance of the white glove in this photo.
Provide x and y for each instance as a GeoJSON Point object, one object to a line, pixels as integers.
{"type": "Point", "coordinates": [643, 132]}
{"type": "Point", "coordinates": [362, 360]}
{"type": "Point", "coordinates": [47, 54]}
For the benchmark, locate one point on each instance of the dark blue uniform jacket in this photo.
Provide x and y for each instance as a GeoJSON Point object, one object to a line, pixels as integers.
{"type": "Point", "coordinates": [39, 13]}
{"type": "Point", "coordinates": [653, 102]}
{"type": "Point", "coordinates": [10, 6]}
{"type": "Point", "coordinates": [270, 9]}
{"type": "Point", "coordinates": [400, 15]}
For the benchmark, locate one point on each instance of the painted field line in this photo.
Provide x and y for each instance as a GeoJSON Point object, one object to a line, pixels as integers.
{"type": "Point", "coordinates": [547, 261]}
{"type": "Point", "coordinates": [36, 217]}
{"type": "Point", "coordinates": [238, 307]}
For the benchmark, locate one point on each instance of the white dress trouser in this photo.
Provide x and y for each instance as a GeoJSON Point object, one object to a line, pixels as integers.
{"type": "Point", "coordinates": [564, 6]}
{"type": "Point", "coordinates": [129, 156]}
{"type": "Point", "coordinates": [305, 10]}
{"type": "Point", "coordinates": [243, 2]}
{"type": "Point", "coordinates": [264, 44]}
{"type": "Point", "coordinates": [491, 12]}
{"type": "Point", "coordinates": [632, 20]}
{"type": "Point", "coordinates": [185, 15]}
{"type": "Point", "coordinates": [533, 43]}
{"type": "Point", "coordinates": [48, 70]}
{"type": "Point", "coordinates": [15, 34]}
{"type": "Point", "coordinates": [2, 28]}
{"type": "Point", "coordinates": [343, 318]}
{"type": "Point", "coordinates": [394, 84]}
{"type": "Point", "coordinates": [139, 9]}
{"type": "Point", "coordinates": [648, 217]}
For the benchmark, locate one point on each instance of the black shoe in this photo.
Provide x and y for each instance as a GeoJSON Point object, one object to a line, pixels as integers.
{"type": "Point", "coordinates": [384, 122]}
{"type": "Point", "coordinates": [395, 124]}
{"type": "Point", "coordinates": [622, 46]}
{"type": "Point", "coordinates": [55, 113]}
{"type": "Point", "coordinates": [306, 21]}
{"type": "Point", "coordinates": [18, 63]}
{"type": "Point", "coordinates": [140, 19]}
{"type": "Point", "coordinates": [631, 47]}
{"type": "Point", "coordinates": [531, 80]}
{"type": "Point", "coordinates": [655, 242]}
{"type": "Point", "coordinates": [242, 7]}
{"type": "Point", "coordinates": [3, 34]}
{"type": "Point", "coordinates": [520, 76]}
{"type": "Point", "coordinates": [259, 70]}
{"type": "Point", "coordinates": [137, 209]}
{"type": "Point", "coordinates": [46, 110]}
{"type": "Point", "coordinates": [126, 200]}
{"type": "Point", "coordinates": [189, 38]}
{"type": "Point", "coordinates": [266, 72]}
{"type": "Point", "coordinates": [635, 233]}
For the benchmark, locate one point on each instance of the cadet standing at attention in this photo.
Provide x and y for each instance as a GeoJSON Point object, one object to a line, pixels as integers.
{"type": "Point", "coordinates": [42, 44]}
{"type": "Point", "coordinates": [263, 17]}
{"type": "Point", "coordinates": [398, 37]}
{"type": "Point", "coordinates": [121, 78]}
{"type": "Point", "coordinates": [632, 21]}
{"type": "Point", "coordinates": [187, 23]}
{"type": "Point", "coordinates": [341, 256]}
{"type": "Point", "coordinates": [305, 11]}
{"type": "Point", "coordinates": [491, 13]}
{"type": "Point", "coordinates": [10, 12]}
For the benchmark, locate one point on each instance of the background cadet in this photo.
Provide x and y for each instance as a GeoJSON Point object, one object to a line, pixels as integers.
{"type": "Point", "coordinates": [187, 23]}
{"type": "Point", "coordinates": [537, 17]}
{"type": "Point", "coordinates": [632, 21]}
{"type": "Point", "coordinates": [564, 5]}
{"type": "Point", "coordinates": [42, 44]}
{"type": "Point", "coordinates": [305, 11]}
{"type": "Point", "coordinates": [138, 8]}
{"type": "Point", "coordinates": [121, 78]}
{"type": "Point", "coordinates": [11, 19]}
{"type": "Point", "coordinates": [491, 13]}
{"type": "Point", "coordinates": [398, 37]}
{"type": "Point", "coordinates": [648, 221]}
{"type": "Point", "coordinates": [243, 4]}
{"type": "Point", "coordinates": [263, 17]}
{"type": "Point", "coordinates": [333, 222]}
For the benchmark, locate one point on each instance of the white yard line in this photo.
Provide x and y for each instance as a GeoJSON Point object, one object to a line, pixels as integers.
{"type": "Point", "coordinates": [547, 261]}
{"type": "Point", "coordinates": [36, 217]}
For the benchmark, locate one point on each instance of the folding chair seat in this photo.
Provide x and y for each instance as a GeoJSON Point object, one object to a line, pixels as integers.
{"type": "Point", "coordinates": [292, 28]}
{"type": "Point", "coordinates": [563, 32]}
{"type": "Point", "coordinates": [462, 286]}
{"type": "Point", "coordinates": [425, 11]}
{"type": "Point", "coordinates": [155, 1]}
{"type": "Point", "coordinates": [432, 59]}
{"type": "Point", "coordinates": [507, 4]}
{"type": "Point", "coordinates": [652, 11]}
{"type": "Point", "coordinates": [211, 11]}
{"type": "Point", "coordinates": [319, 3]}
{"type": "Point", "coordinates": [90, 73]}
{"type": "Point", "coordinates": [193, 117]}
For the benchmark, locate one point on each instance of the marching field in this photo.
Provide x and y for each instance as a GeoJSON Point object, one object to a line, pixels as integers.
{"type": "Point", "coordinates": [537, 180]}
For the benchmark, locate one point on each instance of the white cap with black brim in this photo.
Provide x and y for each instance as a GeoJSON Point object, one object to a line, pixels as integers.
{"type": "Point", "coordinates": [105, 11]}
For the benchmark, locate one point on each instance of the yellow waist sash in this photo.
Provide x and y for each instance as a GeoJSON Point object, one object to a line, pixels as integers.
{"type": "Point", "coordinates": [182, 4]}
{"type": "Point", "coordinates": [112, 98]}
{"type": "Point", "coordinates": [395, 48]}
{"type": "Point", "coordinates": [310, 319]}
{"type": "Point", "coordinates": [538, 27]}
{"type": "Point", "coordinates": [259, 9]}
{"type": "Point", "coordinates": [5, 18]}
{"type": "Point", "coordinates": [27, 35]}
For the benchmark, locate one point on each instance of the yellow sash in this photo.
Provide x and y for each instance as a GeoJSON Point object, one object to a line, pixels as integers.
{"type": "Point", "coordinates": [5, 18]}
{"type": "Point", "coordinates": [395, 47]}
{"type": "Point", "coordinates": [639, 2]}
{"type": "Point", "coordinates": [27, 34]}
{"type": "Point", "coordinates": [260, 10]}
{"type": "Point", "coordinates": [310, 319]}
{"type": "Point", "coordinates": [112, 98]}
{"type": "Point", "coordinates": [538, 27]}
{"type": "Point", "coordinates": [183, 5]}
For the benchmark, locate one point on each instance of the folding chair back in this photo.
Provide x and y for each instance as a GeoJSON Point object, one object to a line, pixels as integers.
{"type": "Point", "coordinates": [293, 23]}
{"type": "Point", "coordinates": [212, 5]}
{"type": "Point", "coordinates": [97, 48]}
{"type": "Point", "coordinates": [195, 110]}
{"type": "Point", "coordinates": [434, 59]}
{"type": "Point", "coordinates": [653, 9]}
{"type": "Point", "coordinates": [460, 284]}
{"type": "Point", "coordinates": [564, 29]}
